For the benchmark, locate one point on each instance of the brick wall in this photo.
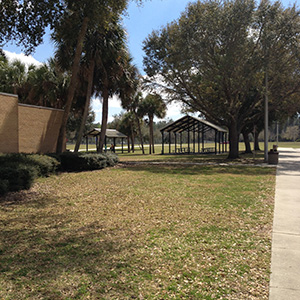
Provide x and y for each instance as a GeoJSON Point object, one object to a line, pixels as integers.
{"type": "Point", "coordinates": [27, 128]}
{"type": "Point", "coordinates": [38, 128]}
{"type": "Point", "coordinates": [9, 125]}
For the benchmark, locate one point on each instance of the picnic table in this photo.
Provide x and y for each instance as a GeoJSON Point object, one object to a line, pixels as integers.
{"type": "Point", "coordinates": [208, 149]}
{"type": "Point", "coordinates": [181, 150]}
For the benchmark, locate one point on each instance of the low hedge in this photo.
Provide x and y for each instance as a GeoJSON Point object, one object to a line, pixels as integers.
{"type": "Point", "coordinates": [81, 161]}
{"type": "Point", "coordinates": [18, 171]}
{"type": "Point", "coordinates": [43, 164]}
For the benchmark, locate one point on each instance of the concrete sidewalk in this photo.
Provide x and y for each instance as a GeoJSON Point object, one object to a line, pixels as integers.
{"type": "Point", "coordinates": [285, 264]}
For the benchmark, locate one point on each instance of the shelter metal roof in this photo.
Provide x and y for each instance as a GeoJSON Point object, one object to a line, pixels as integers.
{"type": "Point", "coordinates": [110, 133]}
{"type": "Point", "coordinates": [189, 122]}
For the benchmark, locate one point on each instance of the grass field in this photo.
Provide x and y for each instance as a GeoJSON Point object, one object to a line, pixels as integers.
{"type": "Point", "coordinates": [140, 232]}
{"type": "Point", "coordinates": [158, 147]}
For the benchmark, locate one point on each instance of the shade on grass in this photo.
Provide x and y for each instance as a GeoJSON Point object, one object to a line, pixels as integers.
{"type": "Point", "coordinates": [140, 232]}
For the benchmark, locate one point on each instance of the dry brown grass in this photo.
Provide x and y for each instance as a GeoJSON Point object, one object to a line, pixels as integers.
{"type": "Point", "coordinates": [140, 232]}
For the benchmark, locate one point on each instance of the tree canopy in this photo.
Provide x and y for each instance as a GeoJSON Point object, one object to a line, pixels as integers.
{"type": "Point", "coordinates": [214, 59]}
{"type": "Point", "coordinates": [25, 21]}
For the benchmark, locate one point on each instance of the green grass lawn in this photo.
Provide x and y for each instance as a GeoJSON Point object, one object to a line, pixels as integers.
{"type": "Point", "coordinates": [158, 148]}
{"type": "Point", "coordinates": [140, 232]}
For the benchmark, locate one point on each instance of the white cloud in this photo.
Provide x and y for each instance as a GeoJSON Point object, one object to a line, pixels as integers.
{"type": "Point", "coordinates": [173, 109]}
{"type": "Point", "coordinates": [27, 60]}
{"type": "Point", "coordinates": [113, 108]}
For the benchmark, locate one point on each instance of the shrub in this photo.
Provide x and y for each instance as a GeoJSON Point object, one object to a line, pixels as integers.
{"type": "Point", "coordinates": [43, 164]}
{"type": "Point", "coordinates": [112, 159]}
{"type": "Point", "coordinates": [16, 178]}
{"type": "Point", "coordinates": [86, 161]}
{"type": "Point", "coordinates": [18, 170]}
{"type": "Point", "coordinates": [4, 186]}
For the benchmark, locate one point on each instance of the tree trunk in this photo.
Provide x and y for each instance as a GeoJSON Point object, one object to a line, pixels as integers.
{"type": "Point", "coordinates": [256, 142]}
{"type": "Point", "coordinates": [104, 118]}
{"type": "Point", "coordinates": [140, 131]}
{"type": "Point", "coordinates": [87, 105]}
{"type": "Point", "coordinates": [233, 141]}
{"type": "Point", "coordinates": [132, 142]}
{"type": "Point", "coordinates": [151, 134]}
{"type": "Point", "coordinates": [72, 87]}
{"type": "Point", "coordinates": [128, 144]}
{"type": "Point", "coordinates": [246, 141]}
{"type": "Point", "coordinates": [152, 142]}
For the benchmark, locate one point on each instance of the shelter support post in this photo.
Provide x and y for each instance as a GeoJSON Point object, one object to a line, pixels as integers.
{"type": "Point", "coordinates": [198, 138]}
{"type": "Point", "coordinates": [162, 143]}
{"type": "Point", "coordinates": [189, 137]}
{"type": "Point", "coordinates": [169, 142]}
{"type": "Point", "coordinates": [194, 139]}
{"type": "Point", "coordinates": [180, 139]}
{"type": "Point", "coordinates": [222, 142]}
{"type": "Point", "coordinates": [202, 136]}
{"type": "Point", "coordinates": [87, 143]}
{"type": "Point", "coordinates": [216, 139]}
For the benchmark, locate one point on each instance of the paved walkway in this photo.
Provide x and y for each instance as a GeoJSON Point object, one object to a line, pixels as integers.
{"type": "Point", "coordinates": [285, 265]}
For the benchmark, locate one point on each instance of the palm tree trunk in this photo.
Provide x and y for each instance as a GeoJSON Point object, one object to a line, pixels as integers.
{"type": "Point", "coordinates": [104, 118]}
{"type": "Point", "coordinates": [132, 137]}
{"type": "Point", "coordinates": [72, 87]}
{"type": "Point", "coordinates": [87, 105]}
{"type": "Point", "coordinates": [151, 133]}
{"type": "Point", "coordinates": [128, 144]}
{"type": "Point", "coordinates": [140, 131]}
{"type": "Point", "coordinates": [132, 142]}
{"type": "Point", "coordinates": [153, 147]}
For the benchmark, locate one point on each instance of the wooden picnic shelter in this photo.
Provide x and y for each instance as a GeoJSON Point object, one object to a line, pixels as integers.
{"type": "Point", "coordinates": [111, 134]}
{"type": "Point", "coordinates": [195, 130]}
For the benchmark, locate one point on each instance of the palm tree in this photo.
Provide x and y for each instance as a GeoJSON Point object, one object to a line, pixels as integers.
{"type": "Point", "coordinates": [89, 91]}
{"type": "Point", "coordinates": [12, 75]}
{"type": "Point", "coordinates": [152, 105]}
{"type": "Point", "coordinates": [46, 85]}
{"type": "Point", "coordinates": [131, 97]}
{"type": "Point", "coordinates": [81, 16]}
{"type": "Point", "coordinates": [127, 126]}
{"type": "Point", "coordinates": [110, 57]}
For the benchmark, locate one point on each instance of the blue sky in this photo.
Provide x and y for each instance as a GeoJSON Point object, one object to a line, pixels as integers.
{"type": "Point", "coordinates": [139, 22]}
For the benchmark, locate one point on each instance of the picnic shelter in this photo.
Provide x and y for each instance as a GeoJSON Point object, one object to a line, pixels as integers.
{"type": "Point", "coordinates": [193, 135]}
{"type": "Point", "coordinates": [111, 136]}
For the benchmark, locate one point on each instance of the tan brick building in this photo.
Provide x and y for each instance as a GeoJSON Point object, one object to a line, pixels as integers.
{"type": "Point", "coordinates": [27, 128]}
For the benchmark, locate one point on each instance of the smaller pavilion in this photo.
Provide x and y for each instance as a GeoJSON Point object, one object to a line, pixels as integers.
{"type": "Point", "coordinates": [111, 134]}
{"type": "Point", "coordinates": [196, 132]}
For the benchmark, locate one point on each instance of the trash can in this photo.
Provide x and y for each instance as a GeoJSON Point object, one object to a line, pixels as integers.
{"type": "Point", "coordinates": [273, 157]}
